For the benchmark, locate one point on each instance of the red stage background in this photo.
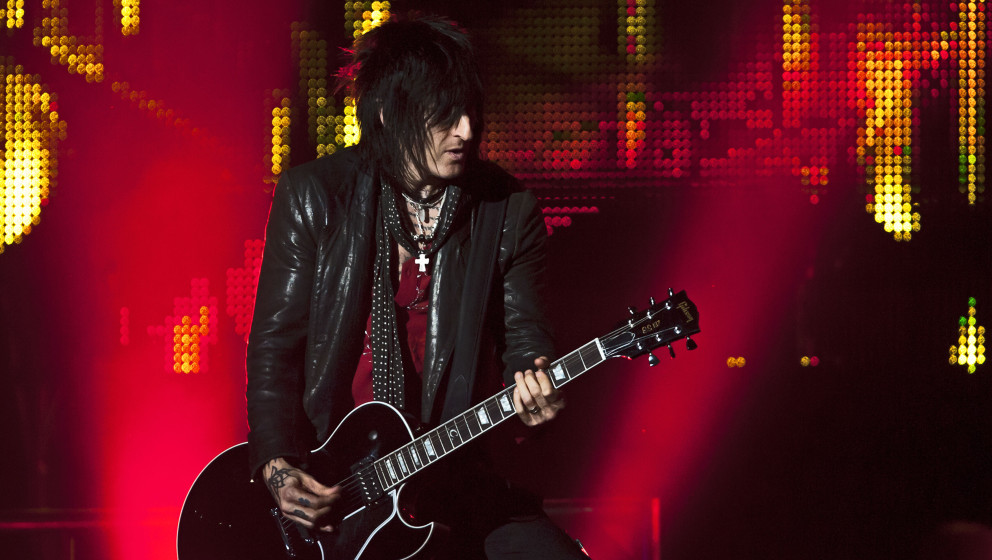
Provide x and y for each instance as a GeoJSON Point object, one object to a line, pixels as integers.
{"type": "Point", "coordinates": [812, 173]}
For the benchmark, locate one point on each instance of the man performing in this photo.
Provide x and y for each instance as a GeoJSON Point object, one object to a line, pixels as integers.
{"type": "Point", "coordinates": [407, 271]}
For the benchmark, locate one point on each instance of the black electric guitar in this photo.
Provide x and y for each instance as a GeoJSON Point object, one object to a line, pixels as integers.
{"type": "Point", "coordinates": [372, 454]}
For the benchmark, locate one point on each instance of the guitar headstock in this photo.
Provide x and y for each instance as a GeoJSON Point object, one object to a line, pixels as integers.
{"type": "Point", "coordinates": [659, 325]}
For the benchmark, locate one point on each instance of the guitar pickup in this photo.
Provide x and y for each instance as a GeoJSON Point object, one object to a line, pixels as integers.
{"type": "Point", "coordinates": [368, 485]}
{"type": "Point", "coordinates": [365, 462]}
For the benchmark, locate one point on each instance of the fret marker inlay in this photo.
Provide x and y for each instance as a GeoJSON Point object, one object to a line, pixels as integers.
{"type": "Point", "coordinates": [504, 402]}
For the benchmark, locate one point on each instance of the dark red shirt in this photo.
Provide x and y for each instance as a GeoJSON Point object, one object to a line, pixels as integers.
{"type": "Point", "coordinates": [412, 301]}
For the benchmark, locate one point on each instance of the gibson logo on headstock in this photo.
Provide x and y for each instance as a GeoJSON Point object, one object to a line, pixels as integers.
{"type": "Point", "coordinates": [684, 307]}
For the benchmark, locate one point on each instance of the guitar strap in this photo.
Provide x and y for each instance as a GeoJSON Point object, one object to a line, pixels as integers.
{"type": "Point", "coordinates": [486, 234]}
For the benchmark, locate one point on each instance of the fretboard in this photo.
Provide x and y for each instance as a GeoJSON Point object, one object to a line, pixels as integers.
{"type": "Point", "coordinates": [394, 468]}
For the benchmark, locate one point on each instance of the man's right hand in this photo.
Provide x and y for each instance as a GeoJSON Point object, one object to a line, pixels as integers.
{"type": "Point", "coordinates": [299, 495]}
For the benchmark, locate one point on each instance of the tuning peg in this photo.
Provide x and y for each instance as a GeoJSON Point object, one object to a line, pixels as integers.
{"type": "Point", "coordinates": [651, 301]}
{"type": "Point", "coordinates": [632, 309]}
{"type": "Point", "coordinates": [652, 359]}
{"type": "Point", "coordinates": [671, 292]}
{"type": "Point", "coordinates": [671, 351]}
{"type": "Point", "coordinates": [690, 343]}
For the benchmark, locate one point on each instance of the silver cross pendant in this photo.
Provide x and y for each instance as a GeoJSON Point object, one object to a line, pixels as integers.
{"type": "Point", "coordinates": [422, 260]}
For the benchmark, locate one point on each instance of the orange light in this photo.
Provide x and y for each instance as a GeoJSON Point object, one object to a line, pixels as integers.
{"type": "Point", "coordinates": [187, 349]}
{"type": "Point", "coordinates": [79, 55]}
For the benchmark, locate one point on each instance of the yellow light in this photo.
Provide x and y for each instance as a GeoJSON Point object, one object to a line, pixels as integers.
{"type": "Point", "coordinates": [279, 150]}
{"type": "Point", "coordinates": [970, 350]}
{"type": "Point", "coordinates": [28, 165]}
{"type": "Point", "coordinates": [130, 16]}
{"type": "Point", "coordinates": [13, 15]}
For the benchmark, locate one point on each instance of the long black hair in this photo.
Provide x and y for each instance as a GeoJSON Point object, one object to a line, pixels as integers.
{"type": "Point", "coordinates": [409, 77]}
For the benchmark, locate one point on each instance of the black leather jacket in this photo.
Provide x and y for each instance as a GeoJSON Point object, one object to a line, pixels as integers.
{"type": "Point", "coordinates": [314, 298]}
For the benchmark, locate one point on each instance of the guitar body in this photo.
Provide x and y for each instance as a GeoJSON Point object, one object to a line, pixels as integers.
{"type": "Point", "coordinates": [227, 515]}
{"type": "Point", "coordinates": [372, 456]}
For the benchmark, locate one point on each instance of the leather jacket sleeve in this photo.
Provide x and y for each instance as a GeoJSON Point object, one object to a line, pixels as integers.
{"type": "Point", "coordinates": [523, 268]}
{"type": "Point", "coordinates": [278, 340]}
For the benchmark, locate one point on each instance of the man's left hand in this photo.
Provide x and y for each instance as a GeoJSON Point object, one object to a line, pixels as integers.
{"type": "Point", "coordinates": [535, 399]}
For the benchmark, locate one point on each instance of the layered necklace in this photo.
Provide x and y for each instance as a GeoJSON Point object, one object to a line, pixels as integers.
{"type": "Point", "coordinates": [421, 211]}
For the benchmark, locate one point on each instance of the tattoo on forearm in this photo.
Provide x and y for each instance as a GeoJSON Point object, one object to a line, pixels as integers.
{"type": "Point", "coordinates": [299, 513]}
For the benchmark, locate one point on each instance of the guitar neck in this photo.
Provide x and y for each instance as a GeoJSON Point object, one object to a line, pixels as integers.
{"type": "Point", "coordinates": [396, 467]}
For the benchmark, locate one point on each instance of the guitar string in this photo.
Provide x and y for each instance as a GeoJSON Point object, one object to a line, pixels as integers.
{"type": "Point", "coordinates": [624, 327]}
{"type": "Point", "coordinates": [352, 484]}
{"type": "Point", "coordinates": [411, 448]}
{"type": "Point", "coordinates": [461, 421]}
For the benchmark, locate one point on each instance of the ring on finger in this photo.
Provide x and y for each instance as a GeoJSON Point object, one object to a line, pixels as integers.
{"type": "Point", "coordinates": [534, 410]}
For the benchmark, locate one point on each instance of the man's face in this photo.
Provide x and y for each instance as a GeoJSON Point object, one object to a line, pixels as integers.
{"type": "Point", "coordinates": [447, 150]}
